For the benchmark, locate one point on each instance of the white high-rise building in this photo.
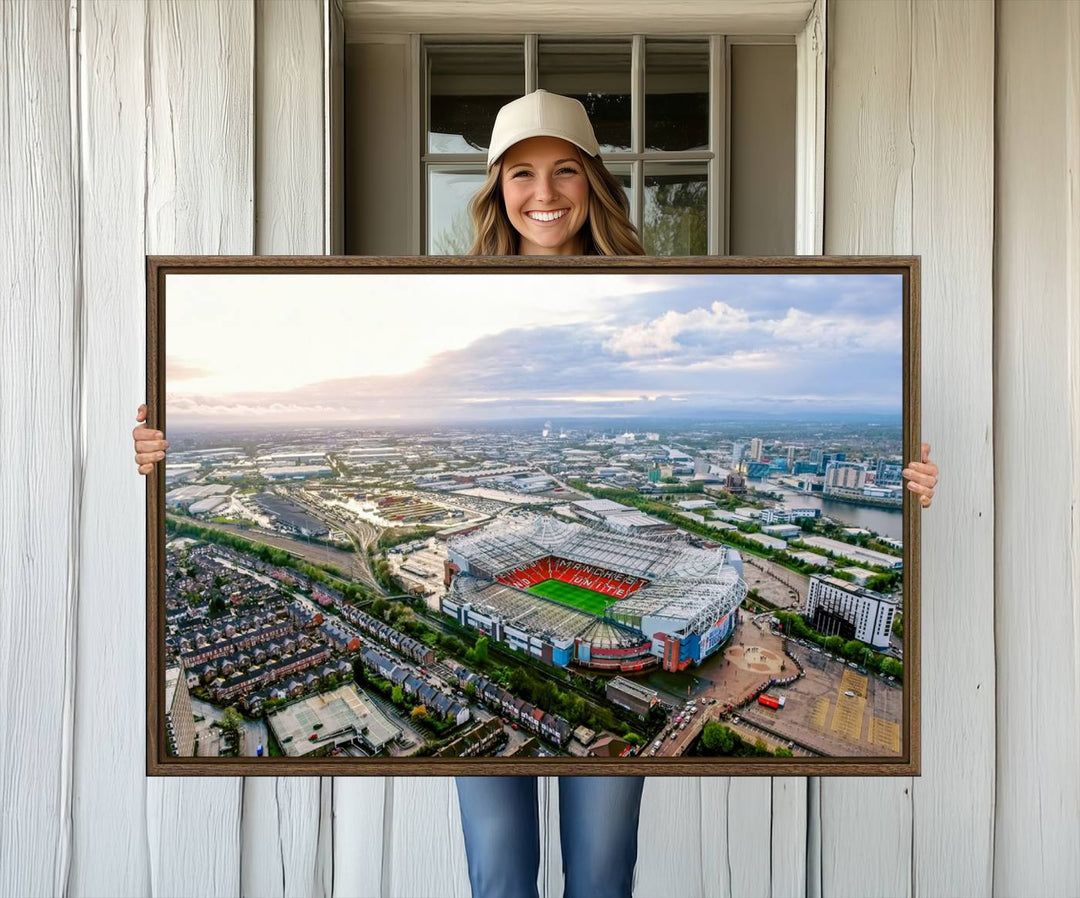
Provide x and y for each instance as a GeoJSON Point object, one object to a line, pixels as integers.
{"type": "Point", "coordinates": [755, 449]}
{"type": "Point", "coordinates": [836, 607]}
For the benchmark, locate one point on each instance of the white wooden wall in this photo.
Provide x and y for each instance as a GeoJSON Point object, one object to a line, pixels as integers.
{"type": "Point", "coordinates": [200, 127]}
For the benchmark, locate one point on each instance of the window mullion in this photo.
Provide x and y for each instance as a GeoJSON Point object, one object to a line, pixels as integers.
{"type": "Point", "coordinates": [637, 129]}
{"type": "Point", "coordinates": [532, 58]}
{"type": "Point", "coordinates": [419, 230]}
{"type": "Point", "coordinates": [717, 185]}
{"type": "Point", "coordinates": [725, 146]}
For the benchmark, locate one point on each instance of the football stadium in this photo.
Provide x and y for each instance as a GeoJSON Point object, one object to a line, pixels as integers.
{"type": "Point", "coordinates": [568, 593]}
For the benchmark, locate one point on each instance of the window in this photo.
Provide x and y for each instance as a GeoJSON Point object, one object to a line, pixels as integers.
{"type": "Point", "coordinates": [660, 110]}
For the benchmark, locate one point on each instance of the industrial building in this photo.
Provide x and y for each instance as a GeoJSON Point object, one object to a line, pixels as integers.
{"type": "Point", "coordinates": [345, 716]}
{"type": "Point", "coordinates": [632, 696]}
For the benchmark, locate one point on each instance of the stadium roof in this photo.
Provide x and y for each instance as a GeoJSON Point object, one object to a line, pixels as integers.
{"type": "Point", "coordinates": [701, 603]}
{"type": "Point", "coordinates": [685, 583]}
{"type": "Point", "coordinates": [511, 544]}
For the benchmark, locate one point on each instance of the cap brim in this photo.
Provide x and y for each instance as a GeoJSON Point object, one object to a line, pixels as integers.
{"type": "Point", "coordinates": [496, 152]}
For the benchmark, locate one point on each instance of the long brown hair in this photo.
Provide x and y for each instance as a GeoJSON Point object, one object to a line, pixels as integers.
{"type": "Point", "coordinates": [607, 231]}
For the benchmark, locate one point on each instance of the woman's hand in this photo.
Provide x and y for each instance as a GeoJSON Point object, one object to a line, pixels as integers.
{"type": "Point", "coordinates": [150, 445]}
{"type": "Point", "coordinates": [922, 477]}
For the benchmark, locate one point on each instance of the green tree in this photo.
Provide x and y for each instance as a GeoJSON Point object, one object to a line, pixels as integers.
{"type": "Point", "coordinates": [481, 649]}
{"type": "Point", "coordinates": [231, 719]}
{"type": "Point", "coordinates": [898, 625]}
{"type": "Point", "coordinates": [892, 668]}
{"type": "Point", "coordinates": [853, 649]}
{"type": "Point", "coordinates": [718, 739]}
{"type": "Point", "coordinates": [833, 644]}
{"type": "Point", "coordinates": [397, 695]}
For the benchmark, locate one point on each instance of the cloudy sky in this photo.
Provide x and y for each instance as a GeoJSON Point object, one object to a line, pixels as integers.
{"type": "Point", "coordinates": [455, 347]}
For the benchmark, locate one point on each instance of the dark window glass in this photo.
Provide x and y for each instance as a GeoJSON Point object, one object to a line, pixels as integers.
{"type": "Point", "coordinates": [597, 74]}
{"type": "Point", "coordinates": [467, 85]}
{"type": "Point", "coordinates": [676, 95]}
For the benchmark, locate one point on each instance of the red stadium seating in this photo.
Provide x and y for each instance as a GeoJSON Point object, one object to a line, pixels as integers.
{"type": "Point", "coordinates": [609, 583]}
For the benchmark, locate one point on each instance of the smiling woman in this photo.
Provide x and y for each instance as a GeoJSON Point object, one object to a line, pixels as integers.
{"type": "Point", "coordinates": [546, 196]}
{"type": "Point", "coordinates": [547, 190]}
{"type": "Point", "coordinates": [417, 379]}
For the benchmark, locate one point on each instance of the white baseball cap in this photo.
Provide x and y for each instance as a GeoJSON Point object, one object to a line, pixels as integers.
{"type": "Point", "coordinates": [541, 114]}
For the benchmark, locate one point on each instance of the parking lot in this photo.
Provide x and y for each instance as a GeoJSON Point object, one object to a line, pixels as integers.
{"type": "Point", "coordinates": [775, 584]}
{"type": "Point", "coordinates": [836, 710]}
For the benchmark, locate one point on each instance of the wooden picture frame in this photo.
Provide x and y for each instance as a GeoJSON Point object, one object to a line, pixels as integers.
{"type": "Point", "coordinates": [574, 667]}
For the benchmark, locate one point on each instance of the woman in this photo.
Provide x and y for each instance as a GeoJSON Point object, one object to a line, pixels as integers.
{"type": "Point", "coordinates": [548, 193]}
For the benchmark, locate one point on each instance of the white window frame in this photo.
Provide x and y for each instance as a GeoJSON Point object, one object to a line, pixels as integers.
{"type": "Point", "coordinates": [810, 125]}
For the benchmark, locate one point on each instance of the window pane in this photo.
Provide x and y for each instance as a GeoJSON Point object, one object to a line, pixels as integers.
{"type": "Point", "coordinates": [676, 95]}
{"type": "Point", "coordinates": [597, 74]}
{"type": "Point", "coordinates": [676, 209]}
{"type": "Point", "coordinates": [467, 84]}
{"type": "Point", "coordinates": [449, 191]}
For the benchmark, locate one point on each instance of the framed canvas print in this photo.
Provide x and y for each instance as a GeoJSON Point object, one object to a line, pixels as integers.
{"type": "Point", "coordinates": [533, 516]}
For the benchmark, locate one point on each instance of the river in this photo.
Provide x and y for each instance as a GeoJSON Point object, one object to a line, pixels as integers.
{"type": "Point", "coordinates": [884, 521]}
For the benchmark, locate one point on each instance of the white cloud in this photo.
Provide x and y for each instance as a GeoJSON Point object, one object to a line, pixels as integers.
{"type": "Point", "coordinates": [835, 331]}
{"type": "Point", "coordinates": [661, 335]}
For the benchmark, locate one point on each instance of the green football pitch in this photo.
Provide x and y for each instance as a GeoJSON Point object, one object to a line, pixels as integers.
{"type": "Point", "coordinates": [568, 594]}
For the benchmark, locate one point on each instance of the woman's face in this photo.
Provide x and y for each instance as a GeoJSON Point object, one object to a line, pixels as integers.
{"type": "Point", "coordinates": [546, 195]}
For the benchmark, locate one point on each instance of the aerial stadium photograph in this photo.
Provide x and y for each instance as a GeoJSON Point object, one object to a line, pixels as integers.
{"type": "Point", "coordinates": [429, 521]}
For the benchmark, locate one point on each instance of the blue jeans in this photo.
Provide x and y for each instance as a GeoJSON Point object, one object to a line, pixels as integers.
{"type": "Point", "coordinates": [598, 823]}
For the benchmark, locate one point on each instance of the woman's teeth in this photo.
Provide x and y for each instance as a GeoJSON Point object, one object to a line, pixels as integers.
{"type": "Point", "coordinates": [546, 216]}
